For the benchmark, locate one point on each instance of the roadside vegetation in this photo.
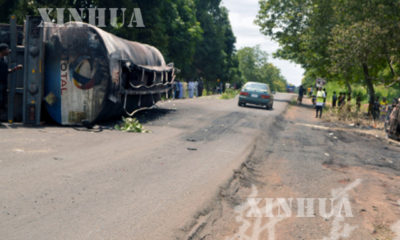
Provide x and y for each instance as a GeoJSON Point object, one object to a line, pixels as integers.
{"type": "Point", "coordinates": [130, 125]}
{"type": "Point", "coordinates": [354, 44]}
{"type": "Point", "coordinates": [229, 93]}
{"type": "Point", "coordinates": [254, 66]}
{"type": "Point", "coordinates": [359, 90]}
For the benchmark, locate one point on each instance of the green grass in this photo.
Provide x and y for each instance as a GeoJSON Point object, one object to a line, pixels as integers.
{"type": "Point", "coordinates": [207, 93]}
{"type": "Point", "coordinates": [229, 94]}
{"type": "Point", "coordinates": [130, 125]}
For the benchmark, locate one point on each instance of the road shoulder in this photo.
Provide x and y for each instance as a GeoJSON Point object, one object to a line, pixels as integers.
{"type": "Point", "coordinates": [308, 159]}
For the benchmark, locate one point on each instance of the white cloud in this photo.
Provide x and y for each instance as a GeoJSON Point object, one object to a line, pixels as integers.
{"type": "Point", "coordinates": [241, 15]}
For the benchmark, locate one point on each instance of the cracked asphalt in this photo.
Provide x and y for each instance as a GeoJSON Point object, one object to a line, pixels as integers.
{"type": "Point", "coordinates": [60, 183]}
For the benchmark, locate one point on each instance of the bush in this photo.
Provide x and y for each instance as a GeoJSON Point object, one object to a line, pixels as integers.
{"type": "Point", "coordinates": [206, 93]}
{"type": "Point", "coordinates": [229, 94]}
{"type": "Point", "coordinates": [130, 125]}
{"type": "Point", "coordinates": [389, 93]}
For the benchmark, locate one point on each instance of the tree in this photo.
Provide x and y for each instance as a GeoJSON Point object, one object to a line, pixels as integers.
{"type": "Point", "coordinates": [349, 41]}
{"type": "Point", "coordinates": [254, 66]}
{"type": "Point", "coordinates": [194, 34]}
{"type": "Point", "coordinates": [214, 57]}
{"type": "Point", "coordinates": [251, 60]}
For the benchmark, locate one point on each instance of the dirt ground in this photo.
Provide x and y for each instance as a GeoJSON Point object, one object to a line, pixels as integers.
{"type": "Point", "coordinates": [300, 158]}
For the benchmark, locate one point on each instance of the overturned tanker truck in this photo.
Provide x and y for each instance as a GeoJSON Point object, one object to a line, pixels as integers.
{"type": "Point", "coordinates": [91, 75]}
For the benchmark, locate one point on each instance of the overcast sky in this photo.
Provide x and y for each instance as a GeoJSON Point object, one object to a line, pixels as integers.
{"type": "Point", "coordinates": [242, 14]}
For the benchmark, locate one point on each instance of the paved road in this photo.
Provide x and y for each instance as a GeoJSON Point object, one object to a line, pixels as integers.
{"type": "Point", "coordinates": [314, 160]}
{"type": "Point", "coordinates": [60, 183]}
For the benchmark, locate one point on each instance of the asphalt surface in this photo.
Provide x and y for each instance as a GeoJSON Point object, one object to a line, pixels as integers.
{"type": "Point", "coordinates": [61, 183]}
{"type": "Point", "coordinates": [314, 159]}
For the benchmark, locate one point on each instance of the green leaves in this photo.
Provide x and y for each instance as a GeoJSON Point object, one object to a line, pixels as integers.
{"type": "Point", "coordinates": [194, 34]}
{"type": "Point", "coordinates": [229, 93]}
{"type": "Point", "coordinates": [214, 58]}
{"type": "Point", "coordinates": [130, 125]}
{"type": "Point", "coordinates": [348, 41]}
{"type": "Point", "coordinates": [254, 66]}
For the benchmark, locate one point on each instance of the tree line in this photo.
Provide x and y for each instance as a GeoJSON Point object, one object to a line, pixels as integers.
{"type": "Point", "coordinates": [194, 34]}
{"type": "Point", "coordinates": [348, 41]}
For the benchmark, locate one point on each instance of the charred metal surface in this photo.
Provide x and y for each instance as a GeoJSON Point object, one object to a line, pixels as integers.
{"type": "Point", "coordinates": [92, 75]}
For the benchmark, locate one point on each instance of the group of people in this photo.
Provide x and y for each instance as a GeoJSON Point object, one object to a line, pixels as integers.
{"type": "Point", "coordinates": [340, 101]}
{"type": "Point", "coordinates": [381, 109]}
{"type": "Point", "coordinates": [318, 100]}
{"type": "Point", "coordinates": [193, 89]}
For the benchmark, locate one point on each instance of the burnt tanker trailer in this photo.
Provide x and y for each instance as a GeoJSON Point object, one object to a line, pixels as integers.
{"type": "Point", "coordinates": [92, 75]}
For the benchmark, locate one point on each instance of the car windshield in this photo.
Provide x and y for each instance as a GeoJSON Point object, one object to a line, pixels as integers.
{"type": "Point", "coordinates": [256, 87]}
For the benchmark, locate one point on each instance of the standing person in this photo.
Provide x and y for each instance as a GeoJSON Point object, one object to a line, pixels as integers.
{"type": "Point", "coordinates": [348, 102]}
{"type": "Point", "coordinates": [358, 102]}
{"type": "Point", "coordinates": [200, 87]}
{"type": "Point", "coordinates": [4, 71]}
{"type": "Point", "coordinates": [301, 94]}
{"type": "Point", "coordinates": [181, 90]}
{"type": "Point", "coordinates": [176, 88]}
{"type": "Point", "coordinates": [334, 99]}
{"type": "Point", "coordinates": [319, 105]}
{"type": "Point", "coordinates": [196, 88]}
{"type": "Point", "coordinates": [384, 109]}
{"type": "Point", "coordinates": [190, 89]}
{"type": "Point", "coordinates": [313, 96]}
{"type": "Point", "coordinates": [342, 99]}
{"type": "Point", "coordinates": [376, 109]}
{"type": "Point", "coordinates": [185, 89]}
